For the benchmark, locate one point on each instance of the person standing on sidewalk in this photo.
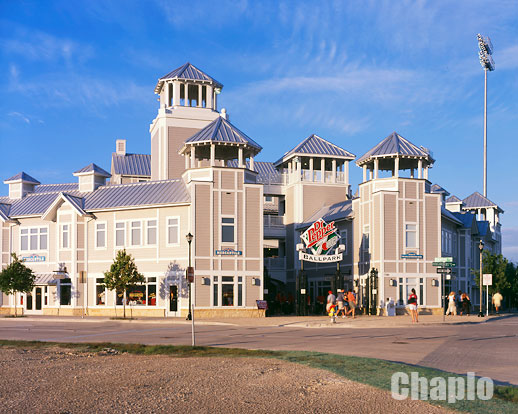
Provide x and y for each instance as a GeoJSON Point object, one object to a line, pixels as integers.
{"type": "Point", "coordinates": [412, 305]}
{"type": "Point", "coordinates": [340, 303]}
{"type": "Point", "coordinates": [497, 301]}
{"type": "Point", "coordinates": [452, 307]}
{"type": "Point", "coordinates": [331, 300]}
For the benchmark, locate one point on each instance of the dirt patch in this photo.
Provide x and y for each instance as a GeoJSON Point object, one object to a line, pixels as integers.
{"type": "Point", "coordinates": [67, 381]}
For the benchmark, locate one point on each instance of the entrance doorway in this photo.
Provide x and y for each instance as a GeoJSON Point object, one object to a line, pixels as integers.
{"type": "Point", "coordinates": [34, 300]}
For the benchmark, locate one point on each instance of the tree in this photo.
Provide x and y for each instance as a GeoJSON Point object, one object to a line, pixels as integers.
{"type": "Point", "coordinates": [123, 275]}
{"type": "Point", "coordinates": [16, 277]}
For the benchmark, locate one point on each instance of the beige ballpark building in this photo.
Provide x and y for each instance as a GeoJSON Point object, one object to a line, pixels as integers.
{"type": "Point", "coordinates": [246, 217]}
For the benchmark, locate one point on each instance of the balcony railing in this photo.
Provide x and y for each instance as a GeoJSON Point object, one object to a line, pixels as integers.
{"type": "Point", "coordinates": [273, 221]}
{"type": "Point", "coordinates": [314, 176]}
{"type": "Point", "coordinates": [275, 263]}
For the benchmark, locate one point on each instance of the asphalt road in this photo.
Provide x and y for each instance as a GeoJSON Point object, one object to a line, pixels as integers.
{"type": "Point", "coordinates": [489, 349]}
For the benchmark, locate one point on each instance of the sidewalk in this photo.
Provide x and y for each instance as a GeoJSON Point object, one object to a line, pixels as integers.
{"type": "Point", "coordinates": [361, 321]}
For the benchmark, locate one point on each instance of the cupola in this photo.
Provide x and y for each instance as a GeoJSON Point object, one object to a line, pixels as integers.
{"type": "Point", "coordinates": [21, 184]}
{"type": "Point", "coordinates": [91, 177]}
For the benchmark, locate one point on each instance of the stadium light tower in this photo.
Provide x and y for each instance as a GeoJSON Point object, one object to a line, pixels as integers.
{"type": "Point", "coordinates": [486, 50]}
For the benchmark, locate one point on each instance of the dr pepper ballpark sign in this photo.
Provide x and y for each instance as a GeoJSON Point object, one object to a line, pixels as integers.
{"type": "Point", "coordinates": [319, 239]}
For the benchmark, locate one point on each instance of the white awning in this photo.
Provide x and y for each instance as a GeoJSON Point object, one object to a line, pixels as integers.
{"type": "Point", "coordinates": [45, 279]}
{"type": "Point", "coordinates": [271, 244]}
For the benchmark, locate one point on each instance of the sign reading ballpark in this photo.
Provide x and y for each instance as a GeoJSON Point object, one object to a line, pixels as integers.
{"type": "Point", "coordinates": [229, 252]}
{"type": "Point", "coordinates": [319, 239]}
{"type": "Point", "coordinates": [33, 258]}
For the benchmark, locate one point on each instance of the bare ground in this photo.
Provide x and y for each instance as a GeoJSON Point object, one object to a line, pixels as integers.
{"type": "Point", "coordinates": [68, 381]}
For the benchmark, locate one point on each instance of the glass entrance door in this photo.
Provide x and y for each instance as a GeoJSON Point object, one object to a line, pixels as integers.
{"type": "Point", "coordinates": [173, 298]}
{"type": "Point", "coordinates": [38, 299]}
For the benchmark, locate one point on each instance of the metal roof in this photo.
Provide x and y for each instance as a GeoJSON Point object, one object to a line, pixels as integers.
{"type": "Point", "coordinates": [56, 188]}
{"type": "Point", "coordinates": [334, 212]}
{"type": "Point", "coordinates": [436, 188]}
{"type": "Point", "coordinates": [466, 218]}
{"type": "Point", "coordinates": [395, 145]}
{"type": "Point", "coordinates": [109, 196]}
{"type": "Point", "coordinates": [315, 145]}
{"type": "Point", "coordinates": [132, 164]}
{"type": "Point", "coordinates": [221, 130]}
{"type": "Point", "coordinates": [24, 177]}
{"type": "Point", "coordinates": [137, 194]}
{"type": "Point", "coordinates": [448, 214]}
{"type": "Point", "coordinates": [45, 279]}
{"type": "Point", "coordinates": [477, 200]}
{"type": "Point", "coordinates": [4, 211]}
{"type": "Point", "coordinates": [483, 227]}
{"type": "Point", "coordinates": [187, 72]}
{"type": "Point", "coordinates": [261, 167]}
{"type": "Point", "coordinates": [453, 199]}
{"type": "Point", "coordinates": [93, 168]}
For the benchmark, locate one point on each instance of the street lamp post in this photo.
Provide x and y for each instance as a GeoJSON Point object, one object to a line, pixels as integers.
{"type": "Point", "coordinates": [481, 248]}
{"type": "Point", "coordinates": [486, 50]}
{"type": "Point", "coordinates": [298, 283]}
{"type": "Point", "coordinates": [189, 238]}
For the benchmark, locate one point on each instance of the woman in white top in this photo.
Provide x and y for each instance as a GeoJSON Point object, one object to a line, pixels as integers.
{"type": "Point", "coordinates": [452, 308]}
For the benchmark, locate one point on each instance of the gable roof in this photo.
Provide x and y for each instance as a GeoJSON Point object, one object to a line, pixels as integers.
{"type": "Point", "coordinates": [436, 188]}
{"type": "Point", "coordinates": [221, 130]}
{"type": "Point", "coordinates": [467, 218]}
{"type": "Point", "coordinates": [22, 176]}
{"type": "Point", "coordinates": [132, 164]}
{"type": "Point", "coordinates": [93, 168]}
{"type": "Point", "coordinates": [449, 215]}
{"type": "Point", "coordinates": [187, 72]}
{"type": "Point", "coordinates": [395, 145]}
{"type": "Point", "coordinates": [453, 199]}
{"type": "Point", "coordinates": [315, 145]}
{"type": "Point", "coordinates": [483, 227]}
{"type": "Point", "coordinates": [76, 202]}
{"type": "Point", "coordinates": [477, 200]}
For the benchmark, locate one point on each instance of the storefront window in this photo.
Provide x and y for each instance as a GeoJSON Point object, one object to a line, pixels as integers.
{"type": "Point", "coordinates": [65, 292]}
{"type": "Point", "coordinates": [239, 291]}
{"type": "Point", "coordinates": [227, 291]}
{"type": "Point", "coordinates": [216, 290]}
{"type": "Point", "coordinates": [100, 292]}
{"type": "Point", "coordinates": [140, 295]}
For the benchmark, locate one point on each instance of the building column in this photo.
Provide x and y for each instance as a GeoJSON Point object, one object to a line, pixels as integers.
{"type": "Point", "coordinates": [186, 94]}
{"type": "Point", "coordinates": [420, 169]}
{"type": "Point", "coordinates": [371, 173]}
{"type": "Point", "coordinates": [396, 167]}
{"type": "Point", "coordinates": [252, 163]}
{"type": "Point", "coordinates": [376, 168]}
{"type": "Point", "coordinates": [199, 95]}
{"type": "Point", "coordinates": [311, 168]}
{"type": "Point", "coordinates": [346, 172]}
{"type": "Point", "coordinates": [209, 94]}
{"type": "Point", "coordinates": [176, 93]}
{"type": "Point", "coordinates": [411, 173]}
{"type": "Point", "coordinates": [364, 172]}
{"type": "Point", "coordinates": [240, 157]}
{"type": "Point", "coordinates": [426, 172]}
{"type": "Point", "coordinates": [186, 161]}
{"type": "Point", "coordinates": [212, 155]}
{"type": "Point", "coordinates": [322, 169]}
{"type": "Point", "coordinates": [333, 168]}
{"type": "Point", "coordinates": [193, 157]}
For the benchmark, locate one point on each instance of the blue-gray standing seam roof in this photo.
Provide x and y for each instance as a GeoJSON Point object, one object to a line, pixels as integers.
{"type": "Point", "coordinates": [132, 164]}
{"type": "Point", "coordinates": [93, 168]}
{"type": "Point", "coordinates": [24, 177]}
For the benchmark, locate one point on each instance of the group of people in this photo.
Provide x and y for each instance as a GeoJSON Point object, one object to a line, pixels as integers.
{"type": "Point", "coordinates": [458, 304]}
{"type": "Point", "coordinates": [343, 304]}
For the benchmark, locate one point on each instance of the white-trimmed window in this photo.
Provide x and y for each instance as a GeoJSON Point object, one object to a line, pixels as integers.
{"type": "Point", "coordinates": [136, 233]}
{"type": "Point", "coordinates": [34, 238]}
{"type": "Point", "coordinates": [411, 236]}
{"type": "Point", "coordinates": [120, 234]}
{"type": "Point", "coordinates": [268, 199]}
{"type": "Point", "coordinates": [151, 232]}
{"type": "Point", "coordinates": [226, 292]}
{"type": "Point", "coordinates": [173, 230]}
{"type": "Point", "coordinates": [100, 291]}
{"type": "Point", "coordinates": [227, 230]}
{"type": "Point", "coordinates": [100, 235]}
{"type": "Point", "coordinates": [343, 240]}
{"type": "Point", "coordinates": [65, 236]}
{"type": "Point", "coordinates": [366, 238]}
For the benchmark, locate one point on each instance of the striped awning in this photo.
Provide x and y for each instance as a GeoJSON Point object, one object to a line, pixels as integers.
{"type": "Point", "coordinates": [45, 279]}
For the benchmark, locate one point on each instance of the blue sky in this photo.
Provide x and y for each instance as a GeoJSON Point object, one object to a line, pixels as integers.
{"type": "Point", "coordinates": [78, 75]}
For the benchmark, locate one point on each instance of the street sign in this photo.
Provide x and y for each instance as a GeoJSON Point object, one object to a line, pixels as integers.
{"type": "Point", "coordinates": [487, 279]}
{"type": "Point", "coordinates": [443, 259]}
{"type": "Point", "coordinates": [446, 270]}
{"type": "Point", "coordinates": [190, 274]}
{"type": "Point", "coordinates": [444, 264]}
{"type": "Point", "coordinates": [411, 256]}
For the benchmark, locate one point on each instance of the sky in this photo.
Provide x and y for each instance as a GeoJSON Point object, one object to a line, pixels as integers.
{"type": "Point", "coordinates": [77, 75]}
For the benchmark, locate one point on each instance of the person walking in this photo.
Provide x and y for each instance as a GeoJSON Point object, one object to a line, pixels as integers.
{"type": "Point", "coordinates": [412, 306]}
{"type": "Point", "coordinates": [452, 308]}
{"type": "Point", "coordinates": [497, 301]}
{"type": "Point", "coordinates": [466, 304]}
{"type": "Point", "coordinates": [351, 299]}
{"type": "Point", "coordinates": [459, 302]}
{"type": "Point", "coordinates": [340, 303]}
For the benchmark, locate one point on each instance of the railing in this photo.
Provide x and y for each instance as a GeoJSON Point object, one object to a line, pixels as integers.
{"type": "Point", "coordinates": [314, 176]}
{"type": "Point", "coordinates": [275, 263]}
{"type": "Point", "coordinates": [273, 221]}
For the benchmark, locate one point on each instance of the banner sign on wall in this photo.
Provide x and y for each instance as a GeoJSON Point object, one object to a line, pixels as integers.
{"type": "Point", "coordinates": [320, 238]}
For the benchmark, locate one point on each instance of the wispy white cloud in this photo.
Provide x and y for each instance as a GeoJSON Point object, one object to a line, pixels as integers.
{"type": "Point", "coordinates": [19, 116]}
